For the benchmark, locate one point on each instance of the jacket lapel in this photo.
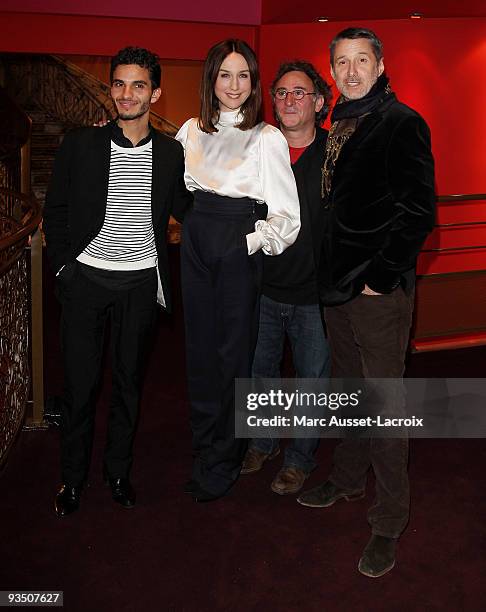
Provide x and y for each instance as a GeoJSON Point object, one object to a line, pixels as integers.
{"type": "Point", "coordinates": [101, 155]}
{"type": "Point", "coordinates": [156, 174]}
{"type": "Point", "coordinates": [368, 124]}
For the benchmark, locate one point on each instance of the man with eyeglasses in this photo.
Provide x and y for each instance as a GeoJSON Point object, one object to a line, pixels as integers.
{"type": "Point", "coordinates": [379, 200]}
{"type": "Point", "coordinates": [290, 302]}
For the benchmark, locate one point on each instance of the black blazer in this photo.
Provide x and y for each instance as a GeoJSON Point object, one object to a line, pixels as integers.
{"type": "Point", "coordinates": [77, 194]}
{"type": "Point", "coordinates": [381, 205]}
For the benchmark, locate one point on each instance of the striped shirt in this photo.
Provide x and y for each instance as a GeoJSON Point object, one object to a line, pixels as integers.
{"type": "Point", "coordinates": [126, 239]}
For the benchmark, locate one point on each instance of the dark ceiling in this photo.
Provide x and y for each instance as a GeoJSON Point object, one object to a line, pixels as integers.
{"type": "Point", "coordinates": [293, 11]}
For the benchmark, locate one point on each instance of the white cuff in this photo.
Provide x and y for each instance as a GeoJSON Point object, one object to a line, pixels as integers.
{"type": "Point", "coordinates": [255, 241]}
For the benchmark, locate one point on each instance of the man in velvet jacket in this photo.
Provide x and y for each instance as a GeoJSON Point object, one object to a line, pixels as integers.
{"type": "Point", "coordinates": [105, 221]}
{"type": "Point", "coordinates": [378, 191]}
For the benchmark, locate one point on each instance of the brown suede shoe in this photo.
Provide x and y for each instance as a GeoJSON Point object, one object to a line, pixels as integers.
{"type": "Point", "coordinates": [254, 460]}
{"type": "Point", "coordinates": [289, 480]}
{"type": "Point", "coordinates": [326, 495]}
{"type": "Point", "coordinates": [378, 556]}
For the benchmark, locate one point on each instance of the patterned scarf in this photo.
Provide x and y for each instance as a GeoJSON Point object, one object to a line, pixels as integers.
{"type": "Point", "coordinates": [344, 119]}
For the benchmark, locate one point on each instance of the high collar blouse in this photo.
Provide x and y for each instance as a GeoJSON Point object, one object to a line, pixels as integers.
{"type": "Point", "coordinates": [252, 163]}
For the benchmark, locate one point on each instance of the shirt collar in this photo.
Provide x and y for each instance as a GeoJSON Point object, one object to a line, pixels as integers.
{"type": "Point", "coordinates": [121, 140]}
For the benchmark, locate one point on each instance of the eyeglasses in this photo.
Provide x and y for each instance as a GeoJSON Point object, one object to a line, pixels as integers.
{"type": "Point", "coordinates": [281, 93]}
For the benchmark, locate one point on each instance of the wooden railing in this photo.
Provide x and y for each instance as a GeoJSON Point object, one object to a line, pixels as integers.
{"type": "Point", "coordinates": [65, 91]}
{"type": "Point", "coordinates": [69, 95]}
{"type": "Point", "coordinates": [93, 102]}
{"type": "Point", "coordinates": [20, 215]}
{"type": "Point", "coordinates": [100, 92]}
{"type": "Point", "coordinates": [465, 197]}
{"type": "Point", "coordinates": [15, 128]}
{"type": "Point", "coordinates": [451, 281]}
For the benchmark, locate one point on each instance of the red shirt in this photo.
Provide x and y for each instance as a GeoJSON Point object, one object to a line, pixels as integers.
{"type": "Point", "coordinates": [295, 153]}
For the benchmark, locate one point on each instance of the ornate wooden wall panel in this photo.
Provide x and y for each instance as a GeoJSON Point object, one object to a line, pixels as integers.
{"type": "Point", "coordinates": [14, 357]}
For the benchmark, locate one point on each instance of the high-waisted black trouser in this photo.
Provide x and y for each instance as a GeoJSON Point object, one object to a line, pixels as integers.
{"type": "Point", "coordinates": [220, 287]}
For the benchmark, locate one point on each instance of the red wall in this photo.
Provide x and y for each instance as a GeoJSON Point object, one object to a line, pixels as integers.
{"type": "Point", "coordinates": [82, 35]}
{"type": "Point", "coordinates": [216, 11]}
{"type": "Point", "coordinates": [290, 11]}
{"type": "Point", "coordinates": [435, 65]}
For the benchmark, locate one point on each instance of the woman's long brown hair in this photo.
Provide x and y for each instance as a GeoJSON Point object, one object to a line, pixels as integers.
{"type": "Point", "coordinates": [251, 108]}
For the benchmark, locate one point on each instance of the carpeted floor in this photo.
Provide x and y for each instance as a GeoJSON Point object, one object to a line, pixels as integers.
{"type": "Point", "coordinates": [252, 550]}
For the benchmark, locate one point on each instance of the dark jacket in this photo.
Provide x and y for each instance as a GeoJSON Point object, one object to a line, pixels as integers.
{"type": "Point", "coordinates": [381, 205]}
{"type": "Point", "coordinates": [77, 194]}
{"type": "Point", "coordinates": [291, 277]}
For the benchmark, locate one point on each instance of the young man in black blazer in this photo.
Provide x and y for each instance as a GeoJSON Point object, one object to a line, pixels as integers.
{"type": "Point", "coordinates": [378, 193]}
{"type": "Point", "coordinates": [107, 209]}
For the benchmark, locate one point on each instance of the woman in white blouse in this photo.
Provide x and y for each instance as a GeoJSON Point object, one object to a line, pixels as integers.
{"type": "Point", "coordinates": [235, 164]}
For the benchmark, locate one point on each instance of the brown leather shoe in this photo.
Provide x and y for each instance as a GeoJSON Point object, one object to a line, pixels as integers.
{"type": "Point", "coordinates": [289, 480]}
{"type": "Point", "coordinates": [254, 460]}
{"type": "Point", "coordinates": [326, 495]}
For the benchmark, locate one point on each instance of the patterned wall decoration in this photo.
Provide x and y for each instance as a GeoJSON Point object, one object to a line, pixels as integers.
{"type": "Point", "coordinates": [14, 358]}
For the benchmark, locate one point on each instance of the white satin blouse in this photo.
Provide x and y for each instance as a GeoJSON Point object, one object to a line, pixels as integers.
{"type": "Point", "coordinates": [253, 163]}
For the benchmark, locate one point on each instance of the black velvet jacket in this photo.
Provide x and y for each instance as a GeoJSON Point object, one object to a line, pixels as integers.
{"type": "Point", "coordinates": [76, 198]}
{"type": "Point", "coordinates": [381, 205]}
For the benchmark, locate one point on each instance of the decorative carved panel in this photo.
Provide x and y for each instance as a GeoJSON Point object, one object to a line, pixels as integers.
{"type": "Point", "coordinates": [19, 216]}
{"type": "Point", "coordinates": [14, 358]}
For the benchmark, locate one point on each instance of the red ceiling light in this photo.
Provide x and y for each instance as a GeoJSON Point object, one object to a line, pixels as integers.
{"type": "Point", "coordinates": [322, 19]}
{"type": "Point", "coordinates": [416, 15]}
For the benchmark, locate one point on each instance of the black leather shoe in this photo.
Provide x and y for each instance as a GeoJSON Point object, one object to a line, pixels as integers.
{"type": "Point", "coordinates": [202, 496]}
{"type": "Point", "coordinates": [190, 486]}
{"type": "Point", "coordinates": [122, 492]}
{"type": "Point", "coordinates": [67, 500]}
{"type": "Point", "coordinates": [378, 556]}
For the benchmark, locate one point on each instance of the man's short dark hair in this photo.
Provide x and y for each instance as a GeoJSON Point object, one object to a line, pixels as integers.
{"type": "Point", "coordinates": [141, 57]}
{"type": "Point", "coordinates": [352, 34]}
{"type": "Point", "coordinates": [320, 86]}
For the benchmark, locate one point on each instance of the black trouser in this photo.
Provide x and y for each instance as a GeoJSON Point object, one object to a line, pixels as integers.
{"type": "Point", "coordinates": [368, 337]}
{"type": "Point", "coordinates": [220, 286]}
{"type": "Point", "coordinates": [86, 305]}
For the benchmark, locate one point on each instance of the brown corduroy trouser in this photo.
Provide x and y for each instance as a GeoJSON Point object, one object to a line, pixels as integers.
{"type": "Point", "coordinates": [368, 338]}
